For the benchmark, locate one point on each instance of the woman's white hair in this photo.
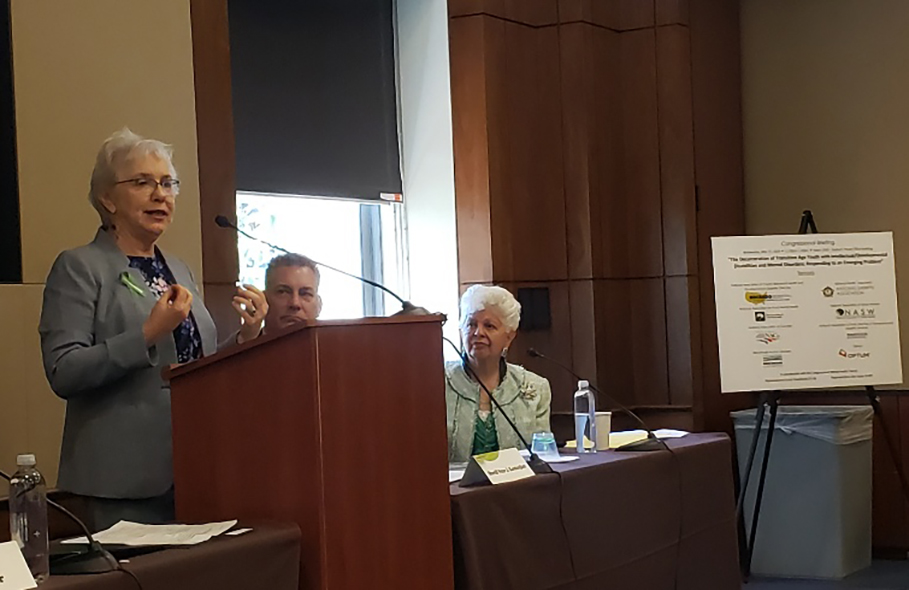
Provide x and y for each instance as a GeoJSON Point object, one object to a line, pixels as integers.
{"type": "Point", "coordinates": [495, 299]}
{"type": "Point", "coordinates": [117, 149]}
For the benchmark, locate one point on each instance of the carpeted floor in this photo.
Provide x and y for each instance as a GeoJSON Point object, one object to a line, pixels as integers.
{"type": "Point", "coordinates": [882, 575]}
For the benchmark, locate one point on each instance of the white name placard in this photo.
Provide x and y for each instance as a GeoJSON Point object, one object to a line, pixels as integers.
{"type": "Point", "coordinates": [496, 467]}
{"type": "Point", "coordinates": [806, 311]}
{"type": "Point", "coordinates": [14, 572]}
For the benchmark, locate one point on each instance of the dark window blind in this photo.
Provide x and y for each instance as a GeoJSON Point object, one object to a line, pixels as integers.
{"type": "Point", "coordinates": [314, 99]}
{"type": "Point", "coordinates": [10, 239]}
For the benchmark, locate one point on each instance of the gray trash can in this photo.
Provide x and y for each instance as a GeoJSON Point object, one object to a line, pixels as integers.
{"type": "Point", "coordinates": [815, 519]}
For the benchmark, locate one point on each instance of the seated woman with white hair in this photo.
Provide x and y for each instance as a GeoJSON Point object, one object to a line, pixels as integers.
{"type": "Point", "coordinates": [489, 323]}
{"type": "Point", "coordinates": [116, 312]}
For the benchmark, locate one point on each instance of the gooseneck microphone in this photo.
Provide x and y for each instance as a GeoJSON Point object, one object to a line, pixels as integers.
{"type": "Point", "coordinates": [651, 443]}
{"type": "Point", "coordinates": [536, 464]}
{"type": "Point", "coordinates": [95, 560]}
{"type": "Point", "coordinates": [407, 308]}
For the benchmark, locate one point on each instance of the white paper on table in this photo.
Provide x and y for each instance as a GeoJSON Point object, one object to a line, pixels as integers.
{"type": "Point", "coordinates": [560, 459]}
{"type": "Point", "coordinates": [455, 475]}
{"type": "Point", "coordinates": [670, 433]}
{"type": "Point", "coordinates": [617, 439]}
{"type": "Point", "coordinates": [147, 535]}
{"type": "Point", "coordinates": [237, 532]}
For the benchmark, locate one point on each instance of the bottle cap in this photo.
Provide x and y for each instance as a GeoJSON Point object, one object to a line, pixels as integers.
{"type": "Point", "coordinates": [583, 384]}
{"type": "Point", "coordinates": [25, 460]}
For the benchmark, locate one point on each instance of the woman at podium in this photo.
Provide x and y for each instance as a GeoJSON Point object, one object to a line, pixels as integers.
{"type": "Point", "coordinates": [116, 312]}
{"type": "Point", "coordinates": [489, 323]}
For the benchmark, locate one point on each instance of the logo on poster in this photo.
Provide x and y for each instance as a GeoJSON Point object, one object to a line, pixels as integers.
{"type": "Point", "coordinates": [767, 337]}
{"type": "Point", "coordinates": [855, 312]}
{"type": "Point", "coordinates": [828, 291]}
{"type": "Point", "coordinates": [755, 298]}
{"type": "Point", "coordinates": [758, 298]}
{"type": "Point", "coordinates": [854, 355]}
{"type": "Point", "coordinates": [760, 316]}
{"type": "Point", "coordinates": [773, 360]}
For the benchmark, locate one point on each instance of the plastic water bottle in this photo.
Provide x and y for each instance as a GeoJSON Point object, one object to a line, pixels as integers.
{"type": "Point", "coordinates": [585, 417]}
{"type": "Point", "coordinates": [28, 516]}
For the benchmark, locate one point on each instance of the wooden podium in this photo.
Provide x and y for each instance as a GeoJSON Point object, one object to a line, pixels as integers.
{"type": "Point", "coordinates": [338, 426]}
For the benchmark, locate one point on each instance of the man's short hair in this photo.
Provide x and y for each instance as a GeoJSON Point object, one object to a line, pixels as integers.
{"type": "Point", "coordinates": [295, 260]}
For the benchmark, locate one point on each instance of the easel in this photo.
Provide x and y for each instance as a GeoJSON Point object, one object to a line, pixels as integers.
{"type": "Point", "coordinates": [771, 400]}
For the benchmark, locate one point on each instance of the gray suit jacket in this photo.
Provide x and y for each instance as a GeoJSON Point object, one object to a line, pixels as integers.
{"type": "Point", "coordinates": [117, 435]}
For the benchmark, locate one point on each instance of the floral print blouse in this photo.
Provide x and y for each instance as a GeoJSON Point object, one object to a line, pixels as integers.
{"type": "Point", "coordinates": [159, 278]}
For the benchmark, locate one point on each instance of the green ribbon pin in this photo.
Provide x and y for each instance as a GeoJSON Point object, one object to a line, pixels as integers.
{"type": "Point", "coordinates": [127, 280]}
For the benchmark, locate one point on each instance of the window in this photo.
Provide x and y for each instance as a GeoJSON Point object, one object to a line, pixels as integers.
{"type": "Point", "coordinates": [364, 238]}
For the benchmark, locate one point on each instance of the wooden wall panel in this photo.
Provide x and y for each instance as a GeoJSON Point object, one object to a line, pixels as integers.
{"type": "Point", "coordinates": [508, 153]}
{"type": "Point", "coordinates": [648, 342]}
{"type": "Point", "coordinates": [225, 317]}
{"type": "Point", "coordinates": [584, 343]}
{"type": "Point", "coordinates": [636, 14]}
{"type": "Point", "coordinates": [215, 136]}
{"type": "Point", "coordinates": [630, 323]}
{"type": "Point", "coordinates": [671, 12]}
{"type": "Point", "coordinates": [592, 136]}
{"type": "Point", "coordinates": [215, 131]}
{"type": "Point", "coordinates": [529, 209]}
{"type": "Point", "coordinates": [613, 236]}
{"type": "Point", "coordinates": [467, 41]}
{"type": "Point", "coordinates": [614, 336]}
{"type": "Point", "coordinates": [889, 515]}
{"type": "Point", "coordinates": [676, 151]}
{"type": "Point", "coordinates": [577, 152]}
{"type": "Point", "coordinates": [555, 343]}
{"type": "Point", "coordinates": [536, 13]}
{"type": "Point", "coordinates": [575, 11]}
{"type": "Point", "coordinates": [641, 161]}
{"type": "Point", "coordinates": [578, 129]}
{"type": "Point", "coordinates": [898, 509]}
{"type": "Point", "coordinates": [499, 85]}
{"type": "Point", "coordinates": [617, 15]}
{"type": "Point", "coordinates": [683, 339]}
{"type": "Point", "coordinates": [716, 105]}
{"type": "Point", "coordinates": [606, 14]}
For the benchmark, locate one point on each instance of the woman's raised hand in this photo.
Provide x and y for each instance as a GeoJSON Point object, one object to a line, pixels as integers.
{"type": "Point", "coordinates": [171, 309]}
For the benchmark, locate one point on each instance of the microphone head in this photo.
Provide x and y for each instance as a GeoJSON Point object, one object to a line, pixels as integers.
{"type": "Point", "coordinates": [409, 308]}
{"type": "Point", "coordinates": [223, 222]}
{"type": "Point", "coordinates": [533, 353]}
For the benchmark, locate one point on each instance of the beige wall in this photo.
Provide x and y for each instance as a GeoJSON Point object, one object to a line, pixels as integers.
{"type": "Point", "coordinates": [82, 70]}
{"type": "Point", "coordinates": [826, 116]}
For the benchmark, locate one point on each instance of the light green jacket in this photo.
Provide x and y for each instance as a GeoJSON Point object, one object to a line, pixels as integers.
{"type": "Point", "coordinates": [524, 396]}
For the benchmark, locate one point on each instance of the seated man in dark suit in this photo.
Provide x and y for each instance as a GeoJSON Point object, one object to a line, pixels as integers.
{"type": "Point", "coordinates": [292, 291]}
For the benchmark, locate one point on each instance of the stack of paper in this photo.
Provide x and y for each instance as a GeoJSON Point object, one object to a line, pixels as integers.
{"type": "Point", "coordinates": [149, 535]}
{"type": "Point", "coordinates": [617, 439]}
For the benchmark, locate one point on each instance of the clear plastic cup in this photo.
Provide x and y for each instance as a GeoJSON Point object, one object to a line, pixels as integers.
{"type": "Point", "coordinates": [544, 446]}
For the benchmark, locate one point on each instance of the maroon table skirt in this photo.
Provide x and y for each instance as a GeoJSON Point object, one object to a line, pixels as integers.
{"type": "Point", "coordinates": [648, 521]}
{"type": "Point", "coordinates": [266, 558]}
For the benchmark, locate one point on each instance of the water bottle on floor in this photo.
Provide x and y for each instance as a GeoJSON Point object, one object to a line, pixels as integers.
{"type": "Point", "coordinates": [28, 516]}
{"type": "Point", "coordinates": [585, 417]}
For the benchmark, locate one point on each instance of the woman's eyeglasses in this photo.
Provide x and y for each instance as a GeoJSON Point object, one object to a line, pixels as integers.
{"type": "Point", "coordinates": [145, 184]}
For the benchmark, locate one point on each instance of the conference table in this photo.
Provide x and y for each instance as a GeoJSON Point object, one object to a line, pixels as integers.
{"type": "Point", "coordinates": [265, 558]}
{"type": "Point", "coordinates": [649, 521]}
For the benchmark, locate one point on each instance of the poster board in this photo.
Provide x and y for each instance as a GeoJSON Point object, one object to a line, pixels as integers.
{"type": "Point", "coordinates": [806, 311]}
